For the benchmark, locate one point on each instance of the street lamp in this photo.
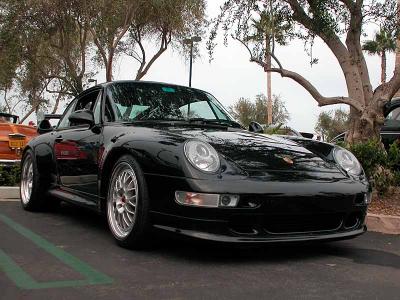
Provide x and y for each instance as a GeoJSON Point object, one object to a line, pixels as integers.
{"type": "Point", "coordinates": [190, 42]}
{"type": "Point", "coordinates": [93, 80]}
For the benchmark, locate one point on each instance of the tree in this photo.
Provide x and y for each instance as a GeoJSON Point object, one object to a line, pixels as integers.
{"type": "Point", "coordinates": [47, 47]}
{"type": "Point", "coordinates": [165, 23]}
{"type": "Point", "coordinates": [48, 51]}
{"type": "Point", "coordinates": [265, 31]}
{"type": "Point", "coordinates": [331, 124]}
{"type": "Point", "coordinates": [246, 111]}
{"type": "Point", "coordinates": [382, 43]}
{"type": "Point", "coordinates": [339, 24]}
{"type": "Point", "coordinates": [108, 22]}
{"type": "Point", "coordinates": [124, 26]}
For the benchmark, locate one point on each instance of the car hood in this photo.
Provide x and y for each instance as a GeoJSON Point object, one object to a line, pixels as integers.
{"type": "Point", "coordinates": [257, 152]}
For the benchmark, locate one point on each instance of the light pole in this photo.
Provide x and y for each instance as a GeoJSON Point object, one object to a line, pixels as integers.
{"type": "Point", "coordinates": [190, 42]}
{"type": "Point", "coordinates": [93, 80]}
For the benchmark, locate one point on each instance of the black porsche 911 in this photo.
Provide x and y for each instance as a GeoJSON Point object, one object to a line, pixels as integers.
{"type": "Point", "coordinates": [166, 157]}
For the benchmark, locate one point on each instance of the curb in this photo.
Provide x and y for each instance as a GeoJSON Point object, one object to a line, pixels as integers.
{"type": "Point", "coordinates": [383, 223]}
{"type": "Point", "coordinates": [9, 192]}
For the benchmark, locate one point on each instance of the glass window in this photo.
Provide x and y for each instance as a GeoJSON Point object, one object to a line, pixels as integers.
{"type": "Point", "coordinates": [108, 113]}
{"type": "Point", "coordinates": [199, 109]}
{"type": "Point", "coordinates": [86, 102]}
{"type": "Point", "coordinates": [132, 101]}
{"type": "Point", "coordinates": [64, 122]}
{"type": "Point", "coordinates": [393, 119]}
{"type": "Point", "coordinates": [218, 110]}
{"type": "Point", "coordinates": [97, 110]}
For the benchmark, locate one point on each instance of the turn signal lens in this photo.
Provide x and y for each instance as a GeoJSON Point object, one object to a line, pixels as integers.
{"type": "Point", "coordinates": [206, 200]}
{"type": "Point", "coordinates": [367, 198]}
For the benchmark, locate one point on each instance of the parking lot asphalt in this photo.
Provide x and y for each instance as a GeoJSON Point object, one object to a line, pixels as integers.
{"type": "Point", "coordinates": [69, 254]}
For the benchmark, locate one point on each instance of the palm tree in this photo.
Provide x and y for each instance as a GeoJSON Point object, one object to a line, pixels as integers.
{"type": "Point", "coordinates": [269, 28]}
{"type": "Point", "coordinates": [383, 43]}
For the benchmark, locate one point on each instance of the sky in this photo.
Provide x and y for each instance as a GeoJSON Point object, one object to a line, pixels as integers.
{"type": "Point", "coordinates": [231, 76]}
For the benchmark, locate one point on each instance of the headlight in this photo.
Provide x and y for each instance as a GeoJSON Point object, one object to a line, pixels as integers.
{"type": "Point", "coordinates": [347, 161]}
{"type": "Point", "coordinates": [202, 156]}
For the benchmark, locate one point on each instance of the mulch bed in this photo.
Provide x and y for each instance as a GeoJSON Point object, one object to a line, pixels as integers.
{"type": "Point", "coordinates": [386, 205]}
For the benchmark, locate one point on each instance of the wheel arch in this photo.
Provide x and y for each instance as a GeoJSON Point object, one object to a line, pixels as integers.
{"type": "Point", "coordinates": [106, 170]}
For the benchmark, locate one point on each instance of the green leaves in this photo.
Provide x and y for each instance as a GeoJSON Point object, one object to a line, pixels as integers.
{"type": "Point", "coordinates": [9, 176]}
{"type": "Point", "coordinates": [245, 110]}
{"type": "Point", "coordinates": [331, 124]}
{"type": "Point", "coordinates": [381, 167]}
{"type": "Point", "coordinates": [383, 41]}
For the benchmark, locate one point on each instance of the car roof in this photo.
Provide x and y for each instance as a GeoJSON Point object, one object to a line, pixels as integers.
{"type": "Point", "coordinates": [106, 84]}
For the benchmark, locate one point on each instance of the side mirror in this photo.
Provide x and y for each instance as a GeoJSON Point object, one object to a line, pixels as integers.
{"type": "Point", "coordinates": [256, 127]}
{"type": "Point", "coordinates": [44, 126]}
{"type": "Point", "coordinates": [307, 135]}
{"type": "Point", "coordinates": [82, 117]}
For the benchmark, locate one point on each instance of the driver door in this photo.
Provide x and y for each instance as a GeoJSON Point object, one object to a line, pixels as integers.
{"type": "Point", "coordinates": [77, 148]}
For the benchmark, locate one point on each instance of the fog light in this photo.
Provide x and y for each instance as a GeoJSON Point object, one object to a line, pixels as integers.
{"type": "Point", "coordinates": [206, 200]}
{"type": "Point", "coordinates": [367, 198]}
{"type": "Point", "coordinates": [228, 200]}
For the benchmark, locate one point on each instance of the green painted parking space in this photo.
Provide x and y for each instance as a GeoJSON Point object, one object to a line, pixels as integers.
{"type": "Point", "coordinates": [24, 281]}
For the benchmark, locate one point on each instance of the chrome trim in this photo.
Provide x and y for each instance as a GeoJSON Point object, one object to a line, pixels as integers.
{"type": "Point", "coordinates": [9, 162]}
{"type": "Point", "coordinates": [16, 135]}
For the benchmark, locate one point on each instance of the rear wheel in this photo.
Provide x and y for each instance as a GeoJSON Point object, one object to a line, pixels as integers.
{"type": "Point", "coordinates": [33, 192]}
{"type": "Point", "coordinates": [128, 203]}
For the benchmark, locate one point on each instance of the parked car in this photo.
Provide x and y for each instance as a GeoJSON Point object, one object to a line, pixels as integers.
{"type": "Point", "coordinates": [171, 158]}
{"type": "Point", "coordinates": [13, 138]}
{"type": "Point", "coordinates": [390, 131]}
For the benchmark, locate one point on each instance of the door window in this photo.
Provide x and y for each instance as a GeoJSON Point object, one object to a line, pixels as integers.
{"type": "Point", "coordinates": [88, 102]}
{"type": "Point", "coordinates": [64, 122]}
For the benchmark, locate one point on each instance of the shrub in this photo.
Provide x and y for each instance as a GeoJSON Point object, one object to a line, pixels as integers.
{"type": "Point", "coordinates": [370, 155]}
{"type": "Point", "coordinates": [10, 176]}
{"type": "Point", "coordinates": [380, 166]}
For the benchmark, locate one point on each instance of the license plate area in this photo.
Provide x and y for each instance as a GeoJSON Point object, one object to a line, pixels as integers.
{"type": "Point", "coordinates": [16, 143]}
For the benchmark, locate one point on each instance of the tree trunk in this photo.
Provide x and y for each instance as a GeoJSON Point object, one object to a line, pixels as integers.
{"type": "Point", "coordinates": [269, 82]}
{"type": "Point", "coordinates": [109, 65]}
{"type": "Point", "coordinates": [383, 67]}
{"type": "Point", "coordinates": [109, 70]}
{"type": "Point", "coordinates": [269, 92]}
{"type": "Point", "coordinates": [57, 103]}
{"type": "Point", "coordinates": [366, 125]}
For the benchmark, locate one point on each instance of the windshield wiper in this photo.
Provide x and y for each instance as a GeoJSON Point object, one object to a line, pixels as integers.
{"type": "Point", "coordinates": [229, 123]}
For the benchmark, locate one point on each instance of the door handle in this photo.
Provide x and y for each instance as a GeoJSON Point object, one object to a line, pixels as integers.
{"type": "Point", "coordinates": [58, 139]}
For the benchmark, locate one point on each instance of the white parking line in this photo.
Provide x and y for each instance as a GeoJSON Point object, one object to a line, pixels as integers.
{"type": "Point", "coordinates": [9, 200]}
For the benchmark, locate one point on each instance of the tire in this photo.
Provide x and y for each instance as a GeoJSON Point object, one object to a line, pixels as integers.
{"type": "Point", "coordinates": [128, 204]}
{"type": "Point", "coordinates": [33, 192]}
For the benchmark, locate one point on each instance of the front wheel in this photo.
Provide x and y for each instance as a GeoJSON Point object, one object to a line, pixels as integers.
{"type": "Point", "coordinates": [128, 204]}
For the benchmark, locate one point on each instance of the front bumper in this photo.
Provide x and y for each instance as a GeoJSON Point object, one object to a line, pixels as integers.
{"type": "Point", "coordinates": [10, 162]}
{"type": "Point", "coordinates": [262, 228]}
{"type": "Point", "coordinates": [282, 239]}
{"type": "Point", "coordinates": [302, 210]}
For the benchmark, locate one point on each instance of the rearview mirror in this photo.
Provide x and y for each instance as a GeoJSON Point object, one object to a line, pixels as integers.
{"type": "Point", "coordinates": [256, 127]}
{"type": "Point", "coordinates": [44, 126]}
{"type": "Point", "coordinates": [82, 117]}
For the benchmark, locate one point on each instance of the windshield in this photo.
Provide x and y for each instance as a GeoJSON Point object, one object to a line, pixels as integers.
{"type": "Point", "coordinates": [133, 101]}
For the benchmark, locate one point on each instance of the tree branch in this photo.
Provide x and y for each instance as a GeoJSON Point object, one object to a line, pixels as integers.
{"type": "Point", "coordinates": [307, 85]}
{"type": "Point", "coordinates": [165, 41]}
